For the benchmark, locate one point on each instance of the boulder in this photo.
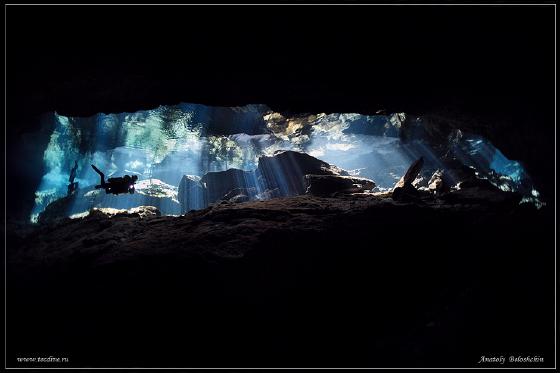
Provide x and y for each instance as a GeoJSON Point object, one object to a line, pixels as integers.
{"type": "Point", "coordinates": [285, 171]}
{"type": "Point", "coordinates": [411, 173]}
{"type": "Point", "coordinates": [250, 193]}
{"type": "Point", "coordinates": [140, 211]}
{"type": "Point", "coordinates": [239, 198]}
{"type": "Point", "coordinates": [322, 185]}
{"type": "Point", "coordinates": [478, 191]}
{"type": "Point", "coordinates": [191, 194]}
{"type": "Point", "coordinates": [435, 184]}
{"type": "Point", "coordinates": [269, 194]}
{"type": "Point", "coordinates": [218, 184]}
{"type": "Point", "coordinates": [406, 193]}
{"type": "Point", "coordinates": [57, 209]}
{"type": "Point", "coordinates": [404, 190]}
{"type": "Point", "coordinates": [420, 182]}
{"type": "Point", "coordinates": [455, 173]}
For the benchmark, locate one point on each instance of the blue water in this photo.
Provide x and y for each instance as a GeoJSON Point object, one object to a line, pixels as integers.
{"type": "Point", "coordinates": [188, 139]}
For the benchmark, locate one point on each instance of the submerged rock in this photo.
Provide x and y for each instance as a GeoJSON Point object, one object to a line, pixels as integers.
{"type": "Point", "coordinates": [250, 193]}
{"type": "Point", "coordinates": [218, 184]}
{"type": "Point", "coordinates": [435, 184]}
{"type": "Point", "coordinates": [282, 174]}
{"type": "Point", "coordinates": [56, 210]}
{"type": "Point", "coordinates": [455, 173]}
{"type": "Point", "coordinates": [191, 194]}
{"type": "Point", "coordinates": [269, 194]}
{"type": "Point", "coordinates": [239, 198]}
{"type": "Point", "coordinates": [411, 173]}
{"type": "Point", "coordinates": [404, 190]}
{"type": "Point", "coordinates": [322, 185]}
{"type": "Point", "coordinates": [481, 191]}
{"type": "Point", "coordinates": [285, 171]}
{"type": "Point", "coordinates": [107, 212]}
{"type": "Point", "coordinates": [406, 193]}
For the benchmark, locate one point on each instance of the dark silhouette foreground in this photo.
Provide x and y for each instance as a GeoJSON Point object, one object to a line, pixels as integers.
{"type": "Point", "coordinates": [73, 185]}
{"type": "Point", "coordinates": [116, 185]}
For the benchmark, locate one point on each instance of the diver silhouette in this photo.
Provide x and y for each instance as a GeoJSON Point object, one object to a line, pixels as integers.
{"type": "Point", "coordinates": [73, 185]}
{"type": "Point", "coordinates": [116, 185]}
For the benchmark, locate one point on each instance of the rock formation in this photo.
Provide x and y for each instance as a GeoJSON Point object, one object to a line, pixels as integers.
{"type": "Point", "coordinates": [286, 170]}
{"type": "Point", "coordinates": [404, 190]}
{"type": "Point", "coordinates": [218, 184]}
{"type": "Point", "coordinates": [324, 185]}
{"type": "Point", "coordinates": [191, 194]}
{"type": "Point", "coordinates": [276, 272]}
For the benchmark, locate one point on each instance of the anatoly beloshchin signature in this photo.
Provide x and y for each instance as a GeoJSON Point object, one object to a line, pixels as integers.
{"type": "Point", "coordinates": [512, 359]}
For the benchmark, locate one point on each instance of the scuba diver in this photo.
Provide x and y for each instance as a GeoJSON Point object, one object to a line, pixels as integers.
{"type": "Point", "coordinates": [116, 185]}
{"type": "Point", "coordinates": [73, 185]}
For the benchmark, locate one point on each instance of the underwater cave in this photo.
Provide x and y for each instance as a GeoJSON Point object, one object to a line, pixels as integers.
{"type": "Point", "coordinates": [345, 186]}
{"type": "Point", "coordinates": [165, 145]}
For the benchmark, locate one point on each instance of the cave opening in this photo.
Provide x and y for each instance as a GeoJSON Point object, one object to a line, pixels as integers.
{"type": "Point", "coordinates": [171, 149]}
